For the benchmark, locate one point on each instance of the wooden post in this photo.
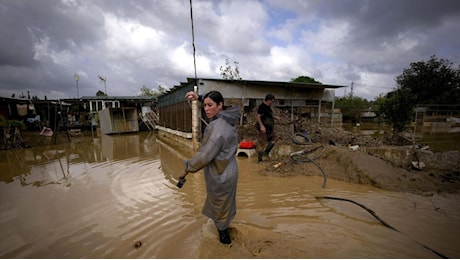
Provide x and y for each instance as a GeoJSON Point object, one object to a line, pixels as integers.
{"type": "Point", "coordinates": [196, 122]}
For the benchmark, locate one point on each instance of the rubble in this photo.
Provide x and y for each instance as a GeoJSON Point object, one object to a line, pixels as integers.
{"type": "Point", "coordinates": [384, 160]}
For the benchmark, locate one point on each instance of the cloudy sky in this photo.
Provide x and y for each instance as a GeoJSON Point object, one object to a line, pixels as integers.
{"type": "Point", "coordinates": [135, 43]}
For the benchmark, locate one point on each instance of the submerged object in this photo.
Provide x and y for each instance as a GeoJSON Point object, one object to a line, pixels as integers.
{"type": "Point", "coordinates": [138, 244]}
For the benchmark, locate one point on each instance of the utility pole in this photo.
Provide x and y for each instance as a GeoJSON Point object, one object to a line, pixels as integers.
{"type": "Point", "coordinates": [77, 78]}
{"type": "Point", "coordinates": [351, 93]}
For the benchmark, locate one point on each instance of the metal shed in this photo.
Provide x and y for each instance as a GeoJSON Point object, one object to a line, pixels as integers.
{"type": "Point", "coordinates": [118, 120]}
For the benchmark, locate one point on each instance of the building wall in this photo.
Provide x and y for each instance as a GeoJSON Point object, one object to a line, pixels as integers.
{"type": "Point", "coordinates": [241, 90]}
{"type": "Point", "coordinates": [175, 113]}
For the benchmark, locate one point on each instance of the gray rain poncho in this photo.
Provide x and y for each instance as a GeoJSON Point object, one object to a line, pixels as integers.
{"type": "Point", "coordinates": [217, 156]}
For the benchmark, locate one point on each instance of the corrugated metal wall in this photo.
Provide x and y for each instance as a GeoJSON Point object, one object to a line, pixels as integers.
{"type": "Point", "coordinates": [174, 111]}
{"type": "Point", "coordinates": [176, 116]}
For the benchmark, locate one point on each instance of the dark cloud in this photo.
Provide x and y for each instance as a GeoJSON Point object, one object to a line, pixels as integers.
{"type": "Point", "coordinates": [384, 37]}
{"type": "Point", "coordinates": [133, 43]}
{"type": "Point", "coordinates": [26, 22]}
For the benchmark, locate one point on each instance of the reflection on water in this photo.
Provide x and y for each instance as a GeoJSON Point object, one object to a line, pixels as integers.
{"type": "Point", "coordinates": [94, 198]}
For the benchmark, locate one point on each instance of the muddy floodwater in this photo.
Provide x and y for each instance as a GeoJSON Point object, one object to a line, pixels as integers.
{"type": "Point", "coordinates": [97, 197]}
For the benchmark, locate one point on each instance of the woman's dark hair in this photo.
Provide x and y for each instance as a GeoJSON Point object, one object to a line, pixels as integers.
{"type": "Point", "coordinates": [269, 97]}
{"type": "Point", "coordinates": [216, 96]}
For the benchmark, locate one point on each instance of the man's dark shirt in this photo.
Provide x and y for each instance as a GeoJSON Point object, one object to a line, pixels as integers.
{"type": "Point", "coordinates": [266, 115]}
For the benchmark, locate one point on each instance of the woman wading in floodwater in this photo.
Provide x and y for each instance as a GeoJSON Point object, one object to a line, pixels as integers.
{"type": "Point", "coordinates": [217, 156]}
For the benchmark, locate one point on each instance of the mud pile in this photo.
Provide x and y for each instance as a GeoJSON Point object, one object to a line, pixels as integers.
{"type": "Point", "coordinates": [385, 161]}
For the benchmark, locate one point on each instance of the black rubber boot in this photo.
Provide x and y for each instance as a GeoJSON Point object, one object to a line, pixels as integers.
{"type": "Point", "coordinates": [269, 148]}
{"type": "Point", "coordinates": [224, 237]}
{"type": "Point", "coordinates": [259, 156]}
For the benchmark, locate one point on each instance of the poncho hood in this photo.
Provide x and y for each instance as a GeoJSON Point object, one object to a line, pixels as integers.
{"type": "Point", "coordinates": [231, 115]}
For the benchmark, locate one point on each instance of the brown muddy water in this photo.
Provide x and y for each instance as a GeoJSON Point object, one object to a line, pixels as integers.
{"type": "Point", "coordinates": [95, 197]}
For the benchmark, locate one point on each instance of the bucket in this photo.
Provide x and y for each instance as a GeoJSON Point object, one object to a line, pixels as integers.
{"type": "Point", "coordinates": [247, 145]}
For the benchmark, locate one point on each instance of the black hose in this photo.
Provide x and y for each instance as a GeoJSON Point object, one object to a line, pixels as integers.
{"type": "Point", "coordinates": [379, 219]}
{"type": "Point", "coordinates": [362, 206]}
{"type": "Point", "coordinates": [305, 135]}
{"type": "Point", "coordinates": [302, 157]}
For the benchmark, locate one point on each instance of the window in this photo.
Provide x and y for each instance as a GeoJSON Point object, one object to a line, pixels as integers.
{"type": "Point", "coordinates": [111, 104]}
{"type": "Point", "coordinates": [93, 106]}
{"type": "Point", "coordinates": [97, 105]}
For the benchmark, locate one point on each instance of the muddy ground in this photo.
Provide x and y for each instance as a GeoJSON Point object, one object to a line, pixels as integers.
{"type": "Point", "coordinates": [356, 166]}
{"type": "Point", "coordinates": [365, 159]}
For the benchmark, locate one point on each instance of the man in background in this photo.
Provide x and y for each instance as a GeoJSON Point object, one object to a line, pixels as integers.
{"type": "Point", "coordinates": [265, 127]}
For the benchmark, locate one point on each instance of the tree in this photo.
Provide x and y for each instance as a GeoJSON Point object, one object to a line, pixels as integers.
{"type": "Point", "coordinates": [162, 90]}
{"type": "Point", "coordinates": [305, 79]}
{"type": "Point", "coordinates": [377, 105]}
{"type": "Point", "coordinates": [397, 109]}
{"type": "Point", "coordinates": [352, 107]}
{"type": "Point", "coordinates": [431, 82]}
{"type": "Point", "coordinates": [100, 93]}
{"type": "Point", "coordinates": [228, 72]}
{"type": "Point", "coordinates": [145, 91]}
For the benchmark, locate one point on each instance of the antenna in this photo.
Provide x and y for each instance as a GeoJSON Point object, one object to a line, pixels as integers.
{"type": "Point", "coordinates": [104, 79]}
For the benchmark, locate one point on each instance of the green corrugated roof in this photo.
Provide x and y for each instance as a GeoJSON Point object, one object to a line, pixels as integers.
{"type": "Point", "coordinates": [117, 98]}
